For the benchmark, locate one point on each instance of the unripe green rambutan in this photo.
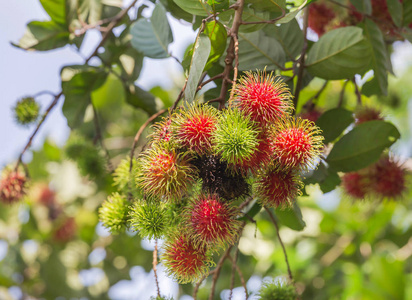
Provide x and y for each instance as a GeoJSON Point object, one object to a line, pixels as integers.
{"type": "Point", "coordinates": [235, 137]}
{"type": "Point", "coordinates": [277, 291]}
{"type": "Point", "coordinates": [124, 179]}
{"type": "Point", "coordinates": [163, 173]}
{"type": "Point", "coordinates": [193, 127]}
{"type": "Point", "coordinates": [26, 111]}
{"type": "Point", "coordinates": [114, 213]}
{"type": "Point", "coordinates": [263, 97]}
{"type": "Point", "coordinates": [211, 222]}
{"type": "Point", "coordinates": [276, 187]}
{"type": "Point", "coordinates": [149, 218]}
{"type": "Point", "coordinates": [296, 143]}
{"type": "Point", "coordinates": [183, 260]}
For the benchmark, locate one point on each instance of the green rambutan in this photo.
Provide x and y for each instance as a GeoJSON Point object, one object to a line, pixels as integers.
{"type": "Point", "coordinates": [149, 218]}
{"type": "Point", "coordinates": [235, 138]}
{"type": "Point", "coordinates": [263, 97]}
{"type": "Point", "coordinates": [296, 143]}
{"type": "Point", "coordinates": [183, 260]}
{"type": "Point", "coordinates": [164, 173]}
{"type": "Point", "coordinates": [276, 290]}
{"type": "Point", "coordinates": [193, 127]}
{"type": "Point", "coordinates": [125, 180]}
{"type": "Point", "coordinates": [276, 187]}
{"type": "Point", "coordinates": [212, 222]}
{"type": "Point", "coordinates": [26, 111]}
{"type": "Point", "coordinates": [114, 213]}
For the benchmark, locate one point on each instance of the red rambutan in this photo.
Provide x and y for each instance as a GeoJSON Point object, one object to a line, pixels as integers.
{"type": "Point", "coordinates": [320, 16]}
{"type": "Point", "coordinates": [311, 115]}
{"type": "Point", "coordinates": [162, 130]}
{"type": "Point", "coordinates": [388, 178]}
{"type": "Point", "coordinates": [65, 231]}
{"type": "Point", "coordinates": [47, 196]}
{"type": "Point", "coordinates": [277, 187]}
{"type": "Point", "coordinates": [164, 173]}
{"type": "Point", "coordinates": [12, 187]}
{"type": "Point", "coordinates": [297, 143]}
{"type": "Point", "coordinates": [212, 221]}
{"type": "Point", "coordinates": [193, 127]}
{"type": "Point", "coordinates": [356, 184]}
{"type": "Point", "coordinates": [366, 113]}
{"type": "Point", "coordinates": [263, 97]}
{"type": "Point", "coordinates": [183, 260]}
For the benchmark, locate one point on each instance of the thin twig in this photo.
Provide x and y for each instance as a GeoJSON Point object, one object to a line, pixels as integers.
{"type": "Point", "coordinates": [201, 85]}
{"type": "Point", "coordinates": [242, 278]}
{"type": "Point", "coordinates": [357, 92]}
{"type": "Point", "coordinates": [49, 108]}
{"type": "Point", "coordinates": [235, 69]}
{"type": "Point", "coordinates": [44, 93]}
{"type": "Point", "coordinates": [301, 61]}
{"type": "Point", "coordinates": [281, 243]}
{"type": "Point", "coordinates": [232, 275]}
{"type": "Point", "coordinates": [179, 97]}
{"type": "Point", "coordinates": [196, 289]}
{"type": "Point", "coordinates": [155, 268]}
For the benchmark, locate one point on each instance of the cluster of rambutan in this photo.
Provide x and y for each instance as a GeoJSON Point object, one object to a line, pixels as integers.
{"type": "Point", "coordinates": [201, 162]}
{"type": "Point", "coordinates": [12, 186]}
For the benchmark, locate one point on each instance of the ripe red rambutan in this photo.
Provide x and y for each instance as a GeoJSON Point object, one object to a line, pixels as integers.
{"type": "Point", "coordinates": [388, 178]}
{"type": "Point", "coordinates": [193, 127]}
{"type": "Point", "coordinates": [65, 231]}
{"type": "Point", "coordinates": [277, 187]}
{"type": "Point", "coordinates": [311, 115]}
{"type": "Point", "coordinates": [320, 16]}
{"type": "Point", "coordinates": [366, 113]}
{"type": "Point", "coordinates": [185, 262]}
{"type": "Point", "coordinates": [296, 143]}
{"type": "Point", "coordinates": [263, 97]}
{"type": "Point", "coordinates": [164, 173]}
{"type": "Point", "coordinates": [12, 187]}
{"type": "Point", "coordinates": [161, 130]}
{"type": "Point", "coordinates": [212, 221]}
{"type": "Point", "coordinates": [356, 184]}
{"type": "Point", "coordinates": [47, 196]}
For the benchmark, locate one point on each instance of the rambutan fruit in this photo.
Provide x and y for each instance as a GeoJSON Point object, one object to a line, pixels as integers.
{"type": "Point", "coordinates": [149, 218]}
{"type": "Point", "coordinates": [216, 180]}
{"type": "Point", "coordinates": [193, 127]}
{"type": "Point", "coordinates": [114, 213]}
{"type": "Point", "coordinates": [164, 173]}
{"type": "Point", "coordinates": [311, 115]}
{"type": "Point", "coordinates": [26, 111]}
{"type": "Point", "coordinates": [65, 230]}
{"type": "Point", "coordinates": [183, 260]}
{"type": "Point", "coordinates": [366, 113]}
{"type": "Point", "coordinates": [123, 179]}
{"type": "Point", "coordinates": [162, 130]}
{"type": "Point", "coordinates": [388, 178]}
{"type": "Point", "coordinates": [212, 222]}
{"type": "Point", "coordinates": [320, 17]}
{"type": "Point", "coordinates": [12, 187]}
{"type": "Point", "coordinates": [276, 290]}
{"type": "Point", "coordinates": [276, 187]}
{"type": "Point", "coordinates": [46, 196]}
{"type": "Point", "coordinates": [296, 143]}
{"type": "Point", "coordinates": [235, 137]}
{"type": "Point", "coordinates": [263, 97]}
{"type": "Point", "coordinates": [356, 184]}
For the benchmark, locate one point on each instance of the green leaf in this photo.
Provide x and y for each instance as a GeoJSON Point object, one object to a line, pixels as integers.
{"type": "Point", "coordinates": [289, 35]}
{"type": "Point", "coordinates": [333, 122]}
{"type": "Point", "coordinates": [90, 11]}
{"type": "Point", "coordinates": [200, 55]}
{"type": "Point", "coordinates": [176, 11]}
{"type": "Point", "coordinates": [293, 13]}
{"type": "Point", "coordinates": [407, 12]}
{"type": "Point", "coordinates": [339, 54]}
{"type": "Point", "coordinates": [77, 84]}
{"type": "Point", "coordinates": [327, 179]}
{"type": "Point", "coordinates": [291, 217]}
{"type": "Point", "coordinates": [195, 7]}
{"type": "Point", "coordinates": [267, 5]}
{"type": "Point", "coordinates": [218, 37]}
{"type": "Point", "coordinates": [379, 55]}
{"type": "Point", "coordinates": [362, 146]}
{"type": "Point", "coordinates": [251, 210]}
{"type": "Point", "coordinates": [152, 37]}
{"type": "Point", "coordinates": [43, 36]}
{"type": "Point", "coordinates": [257, 51]}
{"type": "Point", "coordinates": [396, 10]}
{"type": "Point", "coordinates": [131, 63]}
{"type": "Point", "coordinates": [218, 5]}
{"type": "Point", "coordinates": [56, 9]}
{"type": "Point", "coordinates": [364, 6]}
{"type": "Point", "coordinates": [110, 93]}
{"type": "Point", "coordinates": [250, 15]}
{"type": "Point", "coordinates": [140, 98]}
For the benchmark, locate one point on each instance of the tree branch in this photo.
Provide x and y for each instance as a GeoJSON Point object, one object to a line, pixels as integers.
{"type": "Point", "coordinates": [155, 269]}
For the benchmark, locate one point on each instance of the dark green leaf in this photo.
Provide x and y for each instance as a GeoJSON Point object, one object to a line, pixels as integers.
{"type": "Point", "coordinates": [176, 11]}
{"type": "Point", "coordinates": [362, 146]}
{"type": "Point", "coordinates": [333, 122]}
{"type": "Point", "coordinates": [407, 13]}
{"type": "Point", "coordinates": [56, 9]}
{"type": "Point", "coordinates": [257, 51]}
{"type": "Point", "coordinates": [153, 37]}
{"type": "Point", "coordinates": [77, 84]}
{"type": "Point", "coordinates": [291, 217]}
{"type": "Point", "coordinates": [289, 35]}
{"type": "Point", "coordinates": [218, 37]}
{"type": "Point", "coordinates": [218, 5]}
{"type": "Point", "coordinates": [140, 98]}
{"type": "Point", "coordinates": [327, 179]}
{"type": "Point", "coordinates": [267, 5]}
{"type": "Point", "coordinates": [251, 210]}
{"type": "Point", "coordinates": [396, 10]}
{"type": "Point", "coordinates": [200, 55]}
{"type": "Point", "coordinates": [250, 15]}
{"type": "Point", "coordinates": [364, 6]}
{"type": "Point", "coordinates": [131, 63]}
{"type": "Point", "coordinates": [43, 36]}
{"type": "Point", "coordinates": [195, 7]}
{"type": "Point", "coordinates": [339, 54]}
